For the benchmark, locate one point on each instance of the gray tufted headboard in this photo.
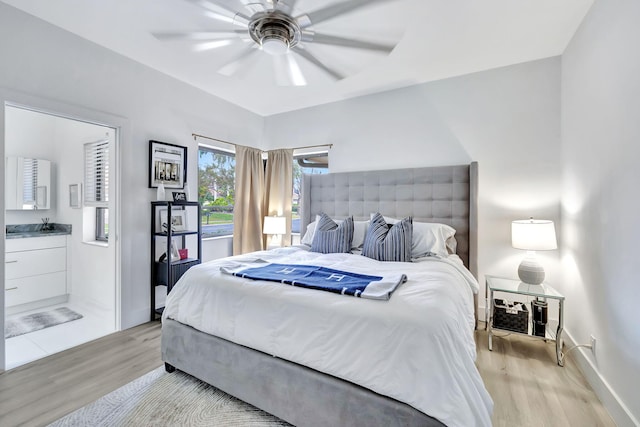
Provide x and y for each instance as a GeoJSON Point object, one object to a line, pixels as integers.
{"type": "Point", "coordinates": [444, 194]}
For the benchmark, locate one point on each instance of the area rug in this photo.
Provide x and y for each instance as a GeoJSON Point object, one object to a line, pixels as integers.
{"type": "Point", "coordinates": [168, 399]}
{"type": "Point", "coordinates": [36, 321]}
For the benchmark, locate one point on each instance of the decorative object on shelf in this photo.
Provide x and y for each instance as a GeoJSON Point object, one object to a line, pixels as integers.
{"type": "Point", "coordinates": [179, 196]}
{"type": "Point", "coordinates": [75, 196]}
{"type": "Point", "coordinates": [175, 255]}
{"type": "Point", "coordinates": [178, 220]}
{"type": "Point", "coordinates": [539, 316]}
{"type": "Point", "coordinates": [512, 316]}
{"type": "Point", "coordinates": [532, 235]}
{"type": "Point", "coordinates": [167, 165]}
{"type": "Point", "coordinates": [276, 226]}
{"type": "Point", "coordinates": [184, 253]}
{"type": "Point", "coordinates": [160, 193]}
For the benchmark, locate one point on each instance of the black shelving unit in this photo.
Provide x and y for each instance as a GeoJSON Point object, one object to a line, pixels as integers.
{"type": "Point", "coordinates": [165, 272]}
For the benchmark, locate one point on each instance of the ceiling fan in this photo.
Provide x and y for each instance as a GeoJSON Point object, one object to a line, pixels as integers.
{"type": "Point", "coordinates": [276, 28]}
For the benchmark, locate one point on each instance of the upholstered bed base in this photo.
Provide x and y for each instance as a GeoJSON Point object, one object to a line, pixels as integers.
{"type": "Point", "coordinates": [294, 393]}
{"type": "Point", "coordinates": [303, 396]}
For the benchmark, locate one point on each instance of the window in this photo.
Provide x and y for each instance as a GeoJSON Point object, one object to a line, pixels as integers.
{"type": "Point", "coordinates": [102, 224]}
{"type": "Point", "coordinates": [305, 164]}
{"type": "Point", "coordinates": [216, 186]}
{"type": "Point", "coordinates": [96, 185]}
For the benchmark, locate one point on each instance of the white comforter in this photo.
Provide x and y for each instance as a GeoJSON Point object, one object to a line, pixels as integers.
{"type": "Point", "coordinates": [418, 347]}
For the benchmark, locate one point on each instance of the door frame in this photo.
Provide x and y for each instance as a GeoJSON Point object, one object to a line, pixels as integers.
{"type": "Point", "coordinates": [122, 131]}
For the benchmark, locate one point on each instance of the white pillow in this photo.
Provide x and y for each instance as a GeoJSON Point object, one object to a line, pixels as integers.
{"type": "Point", "coordinates": [430, 238]}
{"type": "Point", "coordinates": [359, 230]}
{"type": "Point", "coordinates": [307, 239]}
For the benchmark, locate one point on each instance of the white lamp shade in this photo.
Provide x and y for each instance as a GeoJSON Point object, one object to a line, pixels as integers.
{"type": "Point", "coordinates": [533, 235]}
{"type": "Point", "coordinates": [274, 225]}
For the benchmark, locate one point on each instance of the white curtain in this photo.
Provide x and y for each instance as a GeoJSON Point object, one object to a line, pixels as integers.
{"type": "Point", "coordinates": [279, 188]}
{"type": "Point", "coordinates": [249, 200]}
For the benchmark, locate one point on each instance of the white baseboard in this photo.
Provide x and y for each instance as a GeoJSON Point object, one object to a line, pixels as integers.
{"type": "Point", "coordinates": [611, 401]}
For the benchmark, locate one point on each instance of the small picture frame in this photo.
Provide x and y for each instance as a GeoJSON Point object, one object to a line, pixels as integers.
{"type": "Point", "coordinates": [175, 255]}
{"type": "Point", "coordinates": [167, 165]}
{"type": "Point", "coordinates": [179, 196]}
{"type": "Point", "coordinates": [178, 220]}
{"type": "Point", "coordinates": [75, 196]}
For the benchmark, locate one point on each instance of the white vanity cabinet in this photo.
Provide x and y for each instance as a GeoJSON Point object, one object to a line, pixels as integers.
{"type": "Point", "coordinates": [35, 269]}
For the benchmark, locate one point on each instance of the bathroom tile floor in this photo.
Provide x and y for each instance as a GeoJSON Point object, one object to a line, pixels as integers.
{"type": "Point", "coordinates": [26, 348]}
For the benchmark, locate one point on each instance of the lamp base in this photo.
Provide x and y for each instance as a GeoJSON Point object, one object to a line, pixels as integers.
{"type": "Point", "coordinates": [531, 271]}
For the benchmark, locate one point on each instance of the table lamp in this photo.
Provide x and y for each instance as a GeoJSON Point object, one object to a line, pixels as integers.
{"type": "Point", "coordinates": [276, 226]}
{"type": "Point", "coordinates": [532, 235]}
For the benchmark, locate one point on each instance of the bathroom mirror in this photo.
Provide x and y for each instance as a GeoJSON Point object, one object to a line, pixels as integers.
{"type": "Point", "coordinates": [28, 183]}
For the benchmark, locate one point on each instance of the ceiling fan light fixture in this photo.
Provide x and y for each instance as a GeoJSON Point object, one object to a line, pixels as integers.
{"type": "Point", "coordinates": [275, 45]}
{"type": "Point", "coordinates": [274, 31]}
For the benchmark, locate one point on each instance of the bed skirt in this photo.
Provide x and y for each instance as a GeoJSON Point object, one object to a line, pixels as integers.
{"type": "Point", "coordinates": [292, 392]}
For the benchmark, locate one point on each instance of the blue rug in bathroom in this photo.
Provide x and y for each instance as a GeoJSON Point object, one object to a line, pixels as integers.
{"type": "Point", "coordinates": [34, 322]}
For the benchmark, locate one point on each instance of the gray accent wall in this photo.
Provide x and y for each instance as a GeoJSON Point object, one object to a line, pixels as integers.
{"type": "Point", "coordinates": [601, 201]}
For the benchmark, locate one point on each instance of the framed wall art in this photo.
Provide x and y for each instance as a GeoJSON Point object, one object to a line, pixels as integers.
{"type": "Point", "coordinates": [167, 165]}
{"type": "Point", "coordinates": [75, 196]}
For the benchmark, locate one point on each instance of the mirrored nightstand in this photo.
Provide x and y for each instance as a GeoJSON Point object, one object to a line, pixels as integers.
{"type": "Point", "coordinates": [541, 292]}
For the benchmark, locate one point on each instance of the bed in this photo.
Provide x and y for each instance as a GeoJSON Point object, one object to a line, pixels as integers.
{"type": "Point", "coordinates": [315, 358]}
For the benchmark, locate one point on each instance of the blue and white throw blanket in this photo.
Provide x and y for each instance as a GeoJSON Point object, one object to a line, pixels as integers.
{"type": "Point", "coordinates": [322, 278]}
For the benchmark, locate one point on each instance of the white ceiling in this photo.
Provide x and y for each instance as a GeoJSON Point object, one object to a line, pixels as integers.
{"type": "Point", "coordinates": [436, 39]}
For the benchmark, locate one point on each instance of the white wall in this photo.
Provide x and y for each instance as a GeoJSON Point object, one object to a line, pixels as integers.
{"type": "Point", "coordinates": [600, 197]}
{"type": "Point", "coordinates": [507, 119]}
{"type": "Point", "coordinates": [92, 268]}
{"type": "Point", "coordinates": [51, 66]}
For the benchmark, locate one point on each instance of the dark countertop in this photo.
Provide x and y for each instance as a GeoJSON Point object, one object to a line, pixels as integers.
{"type": "Point", "coordinates": [21, 231]}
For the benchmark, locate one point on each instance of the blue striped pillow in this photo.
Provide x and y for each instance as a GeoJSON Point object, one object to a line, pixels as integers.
{"type": "Point", "coordinates": [330, 237]}
{"type": "Point", "coordinates": [385, 243]}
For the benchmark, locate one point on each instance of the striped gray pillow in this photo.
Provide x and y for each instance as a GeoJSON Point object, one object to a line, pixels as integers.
{"type": "Point", "coordinates": [385, 243]}
{"type": "Point", "coordinates": [330, 237]}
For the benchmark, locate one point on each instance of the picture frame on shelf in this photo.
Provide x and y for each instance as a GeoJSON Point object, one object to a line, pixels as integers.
{"type": "Point", "coordinates": [175, 255]}
{"type": "Point", "coordinates": [179, 196]}
{"type": "Point", "coordinates": [178, 220]}
{"type": "Point", "coordinates": [167, 165]}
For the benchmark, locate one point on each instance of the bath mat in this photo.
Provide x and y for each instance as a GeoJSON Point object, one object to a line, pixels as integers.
{"type": "Point", "coordinates": [36, 321]}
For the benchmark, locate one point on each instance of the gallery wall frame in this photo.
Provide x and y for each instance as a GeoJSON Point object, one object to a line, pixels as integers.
{"type": "Point", "coordinates": [167, 165]}
{"type": "Point", "coordinates": [75, 196]}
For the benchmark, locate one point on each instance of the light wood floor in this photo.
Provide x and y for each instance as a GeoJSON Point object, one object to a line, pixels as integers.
{"type": "Point", "coordinates": [521, 375]}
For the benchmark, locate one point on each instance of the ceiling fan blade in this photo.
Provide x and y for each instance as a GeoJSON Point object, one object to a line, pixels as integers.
{"type": "Point", "coordinates": [334, 10]}
{"type": "Point", "coordinates": [342, 41]}
{"type": "Point", "coordinates": [222, 11]}
{"type": "Point", "coordinates": [214, 44]}
{"type": "Point", "coordinates": [236, 64]}
{"type": "Point", "coordinates": [287, 71]}
{"type": "Point", "coordinates": [286, 6]}
{"type": "Point", "coordinates": [199, 35]}
{"type": "Point", "coordinates": [315, 61]}
{"type": "Point", "coordinates": [254, 6]}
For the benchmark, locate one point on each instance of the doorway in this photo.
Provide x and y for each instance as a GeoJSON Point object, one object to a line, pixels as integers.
{"type": "Point", "coordinates": [72, 294]}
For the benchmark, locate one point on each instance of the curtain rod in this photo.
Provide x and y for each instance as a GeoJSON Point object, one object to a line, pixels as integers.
{"type": "Point", "coordinates": [196, 136]}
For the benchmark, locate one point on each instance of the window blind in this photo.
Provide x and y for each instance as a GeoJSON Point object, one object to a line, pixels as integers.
{"type": "Point", "coordinates": [96, 174]}
{"type": "Point", "coordinates": [29, 180]}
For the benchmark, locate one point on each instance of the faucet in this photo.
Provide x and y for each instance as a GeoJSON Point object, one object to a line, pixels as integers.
{"type": "Point", "coordinates": [45, 225]}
